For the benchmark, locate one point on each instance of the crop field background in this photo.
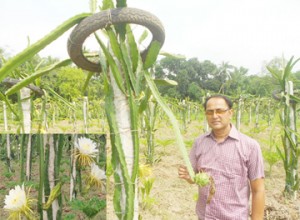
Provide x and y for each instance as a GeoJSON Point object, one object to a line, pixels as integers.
{"type": "Point", "coordinates": [169, 197]}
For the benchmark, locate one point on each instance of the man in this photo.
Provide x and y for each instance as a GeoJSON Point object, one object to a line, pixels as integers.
{"type": "Point", "coordinates": [234, 161]}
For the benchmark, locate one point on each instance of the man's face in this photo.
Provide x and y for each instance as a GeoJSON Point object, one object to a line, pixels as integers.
{"type": "Point", "coordinates": [218, 114]}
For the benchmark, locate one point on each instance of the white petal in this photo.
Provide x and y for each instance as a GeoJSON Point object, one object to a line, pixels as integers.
{"type": "Point", "coordinates": [86, 146]}
{"type": "Point", "coordinates": [15, 199]}
{"type": "Point", "coordinates": [97, 172]}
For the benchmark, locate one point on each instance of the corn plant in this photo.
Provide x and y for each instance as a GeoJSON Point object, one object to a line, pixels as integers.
{"type": "Point", "coordinates": [288, 121]}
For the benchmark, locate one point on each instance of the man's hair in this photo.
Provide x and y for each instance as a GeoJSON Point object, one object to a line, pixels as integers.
{"type": "Point", "coordinates": [226, 99]}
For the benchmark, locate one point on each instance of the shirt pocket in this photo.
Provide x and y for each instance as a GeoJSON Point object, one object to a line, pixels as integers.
{"type": "Point", "coordinates": [234, 164]}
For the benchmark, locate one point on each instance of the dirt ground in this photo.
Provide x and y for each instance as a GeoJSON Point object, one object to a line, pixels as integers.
{"type": "Point", "coordinates": [174, 198]}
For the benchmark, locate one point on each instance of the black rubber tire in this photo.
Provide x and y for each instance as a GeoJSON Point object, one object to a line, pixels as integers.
{"type": "Point", "coordinates": [111, 17]}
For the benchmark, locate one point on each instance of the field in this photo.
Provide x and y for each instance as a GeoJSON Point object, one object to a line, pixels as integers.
{"type": "Point", "coordinates": [171, 197]}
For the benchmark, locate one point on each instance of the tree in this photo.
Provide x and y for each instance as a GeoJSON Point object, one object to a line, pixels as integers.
{"type": "Point", "coordinates": [259, 85]}
{"type": "Point", "coordinates": [67, 81]}
{"type": "Point", "coordinates": [208, 71]}
{"type": "Point", "coordinates": [194, 91]}
{"type": "Point", "coordinates": [223, 75]}
{"type": "Point", "coordinates": [168, 67]}
{"type": "Point", "coordinates": [236, 82]}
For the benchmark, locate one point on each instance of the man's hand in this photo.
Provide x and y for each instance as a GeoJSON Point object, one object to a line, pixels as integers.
{"type": "Point", "coordinates": [184, 174]}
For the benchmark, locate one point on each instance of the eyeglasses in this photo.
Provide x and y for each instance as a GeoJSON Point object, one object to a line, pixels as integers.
{"type": "Point", "coordinates": [218, 111]}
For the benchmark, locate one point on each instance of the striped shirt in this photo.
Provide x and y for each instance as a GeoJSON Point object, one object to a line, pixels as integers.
{"type": "Point", "coordinates": [231, 163]}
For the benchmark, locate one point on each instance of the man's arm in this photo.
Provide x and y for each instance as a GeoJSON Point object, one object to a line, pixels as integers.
{"type": "Point", "coordinates": [258, 199]}
{"type": "Point", "coordinates": [184, 174]}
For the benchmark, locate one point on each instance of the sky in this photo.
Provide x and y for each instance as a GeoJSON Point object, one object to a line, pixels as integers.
{"type": "Point", "coordinates": [247, 33]}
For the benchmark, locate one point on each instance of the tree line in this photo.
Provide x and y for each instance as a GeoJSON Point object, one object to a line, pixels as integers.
{"type": "Point", "coordinates": [197, 78]}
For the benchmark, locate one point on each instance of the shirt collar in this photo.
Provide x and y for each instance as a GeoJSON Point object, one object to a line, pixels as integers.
{"type": "Point", "coordinates": [232, 134]}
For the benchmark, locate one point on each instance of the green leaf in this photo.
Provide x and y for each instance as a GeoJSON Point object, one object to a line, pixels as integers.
{"type": "Point", "coordinates": [165, 82]}
{"type": "Point", "coordinates": [145, 100]}
{"type": "Point", "coordinates": [4, 98]}
{"type": "Point", "coordinates": [134, 52]}
{"type": "Point", "coordinates": [280, 153]}
{"type": "Point", "coordinates": [295, 98]}
{"type": "Point", "coordinates": [276, 75]}
{"type": "Point", "coordinates": [288, 133]}
{"type": "Point", "coordinates": [287, 69]}
{"type": "Point", "coordinates": [86, 83]}
{"type": "Point", "coordinates": [121, 3]}
{"type": "Point", "coordinates": [152, 54]}
{"type": "Point", "coordinates": [113, 66]}
{"type": "Point", "coordinates": [173, 121]}
{"type": "Point", "coordinates": [30, 51]}
{"type": "Point", "coordinates": [30, 79]}
{"type": "Point", "coordinates": [128, 65]}
{"type": "Point", "coordinates": [58, 97]}
{"type": "Point", "coordinates": [102, 60]}
{"type": "Point", "coordinates": [39, 64]}
{"type": "Point", "coordinates": [114, 44]}
{"type": "Point", "coordinates": [135, 135]}
{"type": "Point", "coordinates": [106, 4]}
{"type": "Point", "coordinates": [143, 36]}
